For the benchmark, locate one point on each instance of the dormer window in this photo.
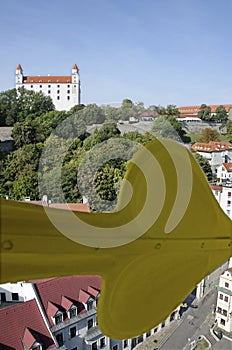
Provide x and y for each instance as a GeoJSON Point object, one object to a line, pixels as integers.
{"type": "Point", "coordinates": [36, 347]}
{"type": "Point", "coordinates": [49, 81]}
{"type": "Point", "coordinates": [40, 81]}
{"type": "Point", "coordinates": [73, 312]}
{"type": "Point", "coordinates": [58, 318]}
{"type": "Point", "coordinates": [32, 81]}
{"type": "Point", "coordinates": [89, 305]}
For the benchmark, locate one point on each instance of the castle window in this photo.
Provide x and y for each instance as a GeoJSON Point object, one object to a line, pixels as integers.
{"type": "Point", "coordinates": [49, 86]}
{"type": "Point", "coordinates": [31, 86]}
{"type": "Point", "coordinates": [68, 81]}
{"type": "Point", "coordinates": [32, 81]}
{"type": "Point", "coordinates": [49, 91]}
{"type": "Point", "coordinates": [68, 86]}
{"type": "Point", "coordinates": [58, 81]}
{"type": "Point", "coordinates": [68, 97]}
{"type": "Point", "coordinates": [58, 86]}
{"type": "Point", "coordinates": [49, 81]}
{"type": "Point", "coordinates": [74, 85]}
{"type": "Point", "coordinates": [40, 81]}
{"type": "Point", "coordinates": [73, 332]}
{"type": "Point", "coordinates": [58, 91]}
{"type": "Point", "coordinates": [40, 86]}
{"type": "Point", "coordinates": [58, 97]}
{"type": "Point", "coordinates": [68, 91]}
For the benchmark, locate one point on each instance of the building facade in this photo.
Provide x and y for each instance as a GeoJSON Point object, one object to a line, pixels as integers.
{"type": "Point", "coordinates": [215, 152]}
{"type": "Point", "coordinates": [224, 172]}
{"type": "Point", "coordinates": [65, 309]}
{"type": "Point", "coordinates": [64, 91]}
{"type": "Point", "coordinates": [223, 194]}
{"type": "Point", "coordinates": [224, 301]}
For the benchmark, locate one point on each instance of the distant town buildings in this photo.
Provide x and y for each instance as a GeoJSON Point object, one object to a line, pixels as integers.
{"type": "Point", "coordinates": [64, 91]}
{"type": "Point", "coordinates": [224, 172]}
{"type": "Point", "coordinates": [224, 301]}
{"type": "Point", "coordinates": [192, 111]}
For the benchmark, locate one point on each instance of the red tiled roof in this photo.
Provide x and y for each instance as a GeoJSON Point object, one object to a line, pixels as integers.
{"type": "Point", "coordinates": [83, 296]}
{"type": "Point", "coordinates": [195, 109]}
{"type": "Point", "coordinates": [71, 206]}
{"type": "Point", "coordinates": [212, 146]}
{"type": "Point", "coordinates": [47, 79]}
{"type": "Point", "coordinates": [28, 338]}
{"type": "Point", "coordinates": [19, 67]}
{"type": "Point", "coordinates": [75, 66]}
{"type": "Point", "coordinates": [52, 290]}
{"type": "Point", "coordinates": [13, 322]}
{"type": "Point", "coordinates": [228, 167]}
{"type": "Point", "coordinates": [216, 188]}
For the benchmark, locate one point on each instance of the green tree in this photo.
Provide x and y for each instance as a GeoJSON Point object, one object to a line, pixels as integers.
{"type": "Point", "coordinates": [210, 135]}
{"type": "Point", "coordinates": [205, 166]}
{"type": "Point", "coordinates": [221, 114]}
{"type": "Point", "coordinates": [92, 114]}
{"type": "Point", "coordinates": [204, 113]}
{"type": "Point", "coordinates": [170, 128]}
{"type": "Point", "coordinates": [172, 111]}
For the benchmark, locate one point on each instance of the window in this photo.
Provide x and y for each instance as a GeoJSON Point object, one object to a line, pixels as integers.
{"type": "Point", "coordinates": [49, 82]}
{"type": "Point", "coordinates": [68, 97]}
{"type": "Point", "coordinates": [73, 332]}
{"type": "Point", "coordinates": [148, 334]}
{"type": "Point", "coordinates": [58, 97]}
{"type": "Point", "coordinates": [75, 86]}
{"type": "Point", "coordinates": [221, 296]}
{"type": "Point", "coordinates": [58, 318]}
{"type": "Point", "coordinates": [219, 310]}
{"type": "Point", "coordinates": [229, 194]}
{"type": "Point", "coordinates": [40, 81]}
{"type": "Point", "coordinates": [140, 339]}
{"type": "Point", "coordinates": [89, 305]}
{"type": "Point", "coordinates": [155, 330]}
{"type": "Point", "coordinates": [94, 346]}
{"type": "Point", "coordinates": [163, 324]}
{"type": "Point", "coordinates": [90, 323]}
{"type": "Point", "coordinates": [68, 91]}
{"type": "Point", "coordinates": [58, 86]}
{"type": "Point", "coordinates": [226, 284]}
{"type": "Point", "coordinates": [224, 312]}
{"type": "Point", "coordinates": [49, 86]}
{"type": "Point", "coordinates": [74, 348]}
{"type": "Point", "coordinates": [31, 86]}
{"type": "Point", "coordinates": [115, 347]}
{"type": "Point", "coordinates": [228, 203]}
{"type": "Point", "coordinates": [59, 338]}
{"type": "Point", "coordinates": [37, 347]}
{"type": "Point", "coordinates": [15, 296]}
{"type": "Point", "coordinates": [226, 299]}
{"type": "Point", "coordinates": [73, 311]}
{"type": "Point", "coordinates": [2, 297]}
{"type": "Point", "coordinates": [49, 91]}
{"type": "Point", "coordinates": [40, 91]}
{"type": "Point", "coordinates": [58, 91]}
{"type": "Point", "coordinates": [222, 322]}
{"type": "Point", "coordinates": [102, 342]}
{"type": "Point", "coordinates": [125, 344]}
{"type": "Point", "coordinates": [40, 86]}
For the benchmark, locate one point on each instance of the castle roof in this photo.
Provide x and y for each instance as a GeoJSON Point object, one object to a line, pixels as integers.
{"type": "Point", "coordinates": [75, 66]}
{"type": "Point", "coordinates": [195, 109]}
{"type": "Point", "coordinates": [47, 79]}
{"type": "Point", "coordinates": [19, 67]}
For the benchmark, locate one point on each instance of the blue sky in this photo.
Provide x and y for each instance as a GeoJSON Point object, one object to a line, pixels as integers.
{"type": "Point", "coordinates": [155, 51]}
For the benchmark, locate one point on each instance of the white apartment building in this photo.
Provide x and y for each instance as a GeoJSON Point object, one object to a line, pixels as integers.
{"type": "Point", "coordinates": [224, 171]}
{"type": "Point", "coordinates": [215, 152]}
{"type": "Point", "coordinates": [64, 91]}
{"type": "Point", "coordinates": [224, 301]}
{"type": "Point", "coordinates": [223, 194]}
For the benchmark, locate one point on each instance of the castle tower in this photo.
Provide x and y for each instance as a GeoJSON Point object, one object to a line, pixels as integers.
{"type": "Point", "coordinates": [76, 81]}
{"type": "Point", "coordinates": [19, 74]}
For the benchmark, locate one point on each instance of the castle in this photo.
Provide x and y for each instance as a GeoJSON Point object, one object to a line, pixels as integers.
{"type": "Point", "coordinates": [64, 90]}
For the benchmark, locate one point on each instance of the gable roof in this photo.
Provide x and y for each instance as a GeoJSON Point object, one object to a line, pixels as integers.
{"type": "Point", "coordinates": [16, 319]}
{"type": "Point", "coordinates": [52, 290]}
{"type": "Point", "coordinates": [228, 166]}
{"type": "Point", "coordinates": [195, 109]}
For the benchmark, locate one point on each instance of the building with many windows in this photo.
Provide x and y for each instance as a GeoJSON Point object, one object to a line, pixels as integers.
{"type": "Point", "coordinates": [224, 301]}
{"type": "Point", "coordinates": [63, 315]}
{"type": "Point", "coordinates": [64, 91]}
{"type": "Point", "coordinates": [223, 194]}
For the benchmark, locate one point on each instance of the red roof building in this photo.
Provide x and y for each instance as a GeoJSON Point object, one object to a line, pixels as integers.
{"type": "Point", "coordinates": [22, 327]}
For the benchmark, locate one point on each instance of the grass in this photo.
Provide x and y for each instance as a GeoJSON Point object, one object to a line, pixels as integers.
{"type": "Point", "coordinates": [203, 344]}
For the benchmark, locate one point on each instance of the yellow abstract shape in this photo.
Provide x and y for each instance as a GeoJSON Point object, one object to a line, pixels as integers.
{"type": "Point", "coordinates": [143, 280]}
